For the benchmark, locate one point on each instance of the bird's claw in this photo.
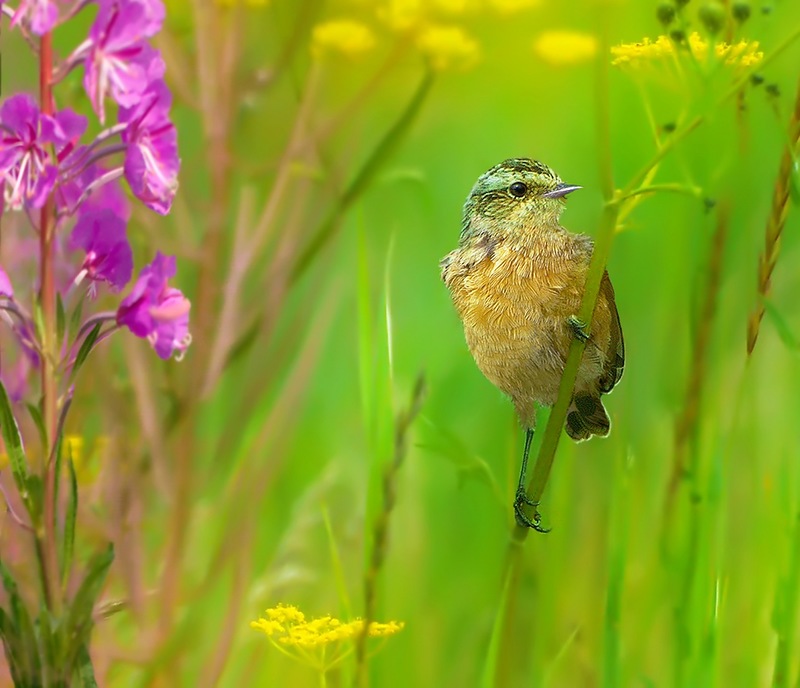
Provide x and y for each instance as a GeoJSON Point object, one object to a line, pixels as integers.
{"type": "Point", "coordinates": [522, 518]}
{"type": "Point", "coordinates": [578, 328]}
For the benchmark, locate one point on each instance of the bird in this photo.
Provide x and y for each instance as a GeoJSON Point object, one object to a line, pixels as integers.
{"type": "Point", "coordinates": [516, 280]}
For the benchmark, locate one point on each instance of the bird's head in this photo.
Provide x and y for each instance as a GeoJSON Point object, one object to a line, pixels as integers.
{"type": "Point", "coordinates": [516, 195]}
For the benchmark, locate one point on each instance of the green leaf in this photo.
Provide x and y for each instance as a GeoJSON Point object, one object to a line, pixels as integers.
{"type": "Point", "coordinates": [22, 625]}
{"type": "Point", "coordinates": [36, 415]}
{"type": "Point", "coordinates": [68, 542]}
{"type": "Point", "coordinates": [75, 320]}
{"type": "Point", "coordinates": [61, 319]}
{"type": "Point", "coordinates": [79, 618]}
{"type": "Point", "coordinates": [12, 647]}
{"type": "Point", "coordinates": [13, 442]}
{"type": "Point", "coordinates": [84, 668]}
{"type": "Point", "coordinates": [83, 352]}
{"type": "Point", "coordinates": [781, 326]}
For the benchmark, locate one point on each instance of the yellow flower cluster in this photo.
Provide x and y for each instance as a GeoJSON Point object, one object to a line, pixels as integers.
{"type": "Point", "coordinates": [565, 47]}
{"type": "Point", "coordinates": [742, 54]}
{"type": "Point", "coordinates": [345, 36]}
{"type": "Point", "coordinates": [288, 625]}
{"type": "Point", "coordinates": [448, 47]}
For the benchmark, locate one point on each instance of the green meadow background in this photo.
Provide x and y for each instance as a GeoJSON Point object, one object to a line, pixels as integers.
{"type": "Point", "coordinates": [282, 462]}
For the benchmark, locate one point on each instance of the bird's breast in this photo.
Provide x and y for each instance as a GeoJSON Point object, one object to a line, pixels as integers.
{"type": "Point", "coordinates": [514, 306]}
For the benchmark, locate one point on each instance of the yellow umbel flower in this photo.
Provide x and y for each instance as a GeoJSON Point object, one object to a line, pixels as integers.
{"type": "Point", "coordinates": [512, 6]}
{"type": "Point", "coordinates": [402, 15]}
{"type": "Point", "coordinates": [565, 47]}
{"type": "Point", "coordinates": [448, 47]}
{"type": "Point", "coordinates": [742, 54]}
{"type": "Point", "coordinates": [321, 642]}
{"type": "Point", "coordinates": [351, 38]}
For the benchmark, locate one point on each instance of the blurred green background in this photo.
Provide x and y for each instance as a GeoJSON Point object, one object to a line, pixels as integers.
{"type": "Point", "coordinates": [250, 474]}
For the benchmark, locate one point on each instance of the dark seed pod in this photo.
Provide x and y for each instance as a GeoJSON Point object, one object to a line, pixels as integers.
{"type": "Point", "coordinates": [665, 13]}
{"type": "Point", "coordinates": [741, 11]}
{"type": "Point", "coordinates": [712, 14]}
{"type": "Point", "coordinates": [677, 36]}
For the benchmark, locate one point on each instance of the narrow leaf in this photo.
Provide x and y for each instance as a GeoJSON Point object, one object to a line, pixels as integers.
{"type": "Point", "coordinates": [61, 319]}
{"type": "Point", "coordinates": [75, 320]}
{"type": "Point", "coordinates": [13, 442]}
{"type": "Point", "coordinates": [36, 415]}
{"type": "Point", "coordinates": [79, 617]}
{"type": "Point", "coordinates": [84, 669]}
{"type": "Point", "coordinates": [21, 622]}
{"type": "Point", "coordinates": [83, 352]}
{"type": "Point", "coordinates": [68, 542]}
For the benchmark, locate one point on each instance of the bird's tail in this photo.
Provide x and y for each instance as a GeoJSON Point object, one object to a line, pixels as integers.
{"type": "Point", "coordinates": [586, 417]}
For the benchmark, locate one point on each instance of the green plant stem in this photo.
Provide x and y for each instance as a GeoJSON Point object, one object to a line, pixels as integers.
{"type": "Point", "coordinates": [47, 296]}
{"type": "Point", "coordinates": [363, 177]}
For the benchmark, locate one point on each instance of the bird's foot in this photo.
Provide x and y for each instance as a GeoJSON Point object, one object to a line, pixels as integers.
{"type": "Point", "coordinates": [578, 328]}
{"type": "Point", "coordinates": [520, 502]}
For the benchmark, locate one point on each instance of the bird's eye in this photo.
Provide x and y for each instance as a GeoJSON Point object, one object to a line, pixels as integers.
{"type": "Point", "coordinates": [518, 189]}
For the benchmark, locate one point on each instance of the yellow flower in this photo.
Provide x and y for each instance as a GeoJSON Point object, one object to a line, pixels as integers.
{"type": "Point", "coordinates": [565, 47]}
{"type": "Point", "coordinates": [402, 15]}
{"type": "Point", "coordinates": [287, 628]}
{"type": "Point", "coordinates": [448, 47]}
{"type": "Point", "coordinates": [351, 38]}
{"type": "Point", "coordinates": [512, 6]}
{"type": "Point", "coordinates": [742, 54]}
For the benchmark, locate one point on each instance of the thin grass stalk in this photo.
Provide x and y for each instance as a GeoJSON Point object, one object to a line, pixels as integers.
{"type": "Point", "coordinates": [215, 68]}
{"type": "Point", "coordinates": [386, 146]}
{"type": "Point", "coordinates": [617, 548]}
{"type": "Point", "coordinates": [775, 223]}
{"type": "Point", "coordinates": [787, 602]}
{"type": "Point", "coordinates": [687, 422]}
{"type": "Point", "coordinates": [380, 542]}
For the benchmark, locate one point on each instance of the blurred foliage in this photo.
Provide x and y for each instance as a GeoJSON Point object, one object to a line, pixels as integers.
{"type": "Point", "coordinates": [323, 175]}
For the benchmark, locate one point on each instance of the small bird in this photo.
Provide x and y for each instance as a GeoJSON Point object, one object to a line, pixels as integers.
{"type": "Point", "coordinates": [517, 280]}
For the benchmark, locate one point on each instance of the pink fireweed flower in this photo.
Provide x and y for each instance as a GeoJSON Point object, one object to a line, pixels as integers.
{"type": "Point", "coordinates": [105, 196]}
{"type": "Point", "coordinates": [5, 285]}
{"type": "Point", "coordinates": [101, 233]}
{"type": "Point", "coordinates": [157, 312]}
{"type": "Point", "coordinates": [117, 59]}
{"type": "Point", "coordinates": [151, 161]}
{"type": "Point", "coordinates": [40, 15]}
{"type": "Point", "coordinates": [26, 168]}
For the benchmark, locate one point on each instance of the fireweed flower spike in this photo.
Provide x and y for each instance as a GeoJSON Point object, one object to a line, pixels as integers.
{"type": "Point", "coordinates": [26, 170]}
{"type": "Point", "coordinates": [101, 233]}
{"type": "Point", "coordinates": [157, 312]}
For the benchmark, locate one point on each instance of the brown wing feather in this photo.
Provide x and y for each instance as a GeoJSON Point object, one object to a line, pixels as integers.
{"type": "Point", "coordinates": [615, 354]}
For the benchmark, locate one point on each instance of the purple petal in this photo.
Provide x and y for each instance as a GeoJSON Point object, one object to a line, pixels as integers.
{"type": "Point", "coordinates": [5, 285]}
{"type": "Point", "coordinates": [101, 234]}
{"type": "Point", "coordinates": [41, 15]}
{"type": "Point", "coordinates": [155, 311]}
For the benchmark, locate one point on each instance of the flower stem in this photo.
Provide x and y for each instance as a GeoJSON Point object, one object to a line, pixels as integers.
{"type": "Point", "coordinates": [47, 298]}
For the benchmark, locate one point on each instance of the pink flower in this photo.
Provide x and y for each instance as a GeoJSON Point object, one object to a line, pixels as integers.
{"type": "Point", "coordinates": [157, 312]}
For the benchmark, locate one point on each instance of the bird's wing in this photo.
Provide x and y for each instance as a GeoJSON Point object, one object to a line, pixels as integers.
{"type": "Point", "coordinates": [615, 353]}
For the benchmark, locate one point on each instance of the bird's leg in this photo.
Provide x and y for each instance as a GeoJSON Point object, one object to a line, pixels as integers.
{"type": "Point", "coordinates": [522, 498]}
{"type": "Point", "coordinates": [578, 328]}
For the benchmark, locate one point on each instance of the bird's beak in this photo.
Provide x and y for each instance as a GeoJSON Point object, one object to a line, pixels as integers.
{"type": "Point", "coordinates": [561, 190]}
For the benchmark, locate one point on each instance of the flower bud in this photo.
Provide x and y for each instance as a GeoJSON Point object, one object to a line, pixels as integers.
{"type": "Point", "coordinates": [712, 14]}
{"type": "Point", "coordinates": [665, 13]}
{"type": "Point", "coordinates": [678, 36]}
{"type": "Point", "coordinates": [741, 11]}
